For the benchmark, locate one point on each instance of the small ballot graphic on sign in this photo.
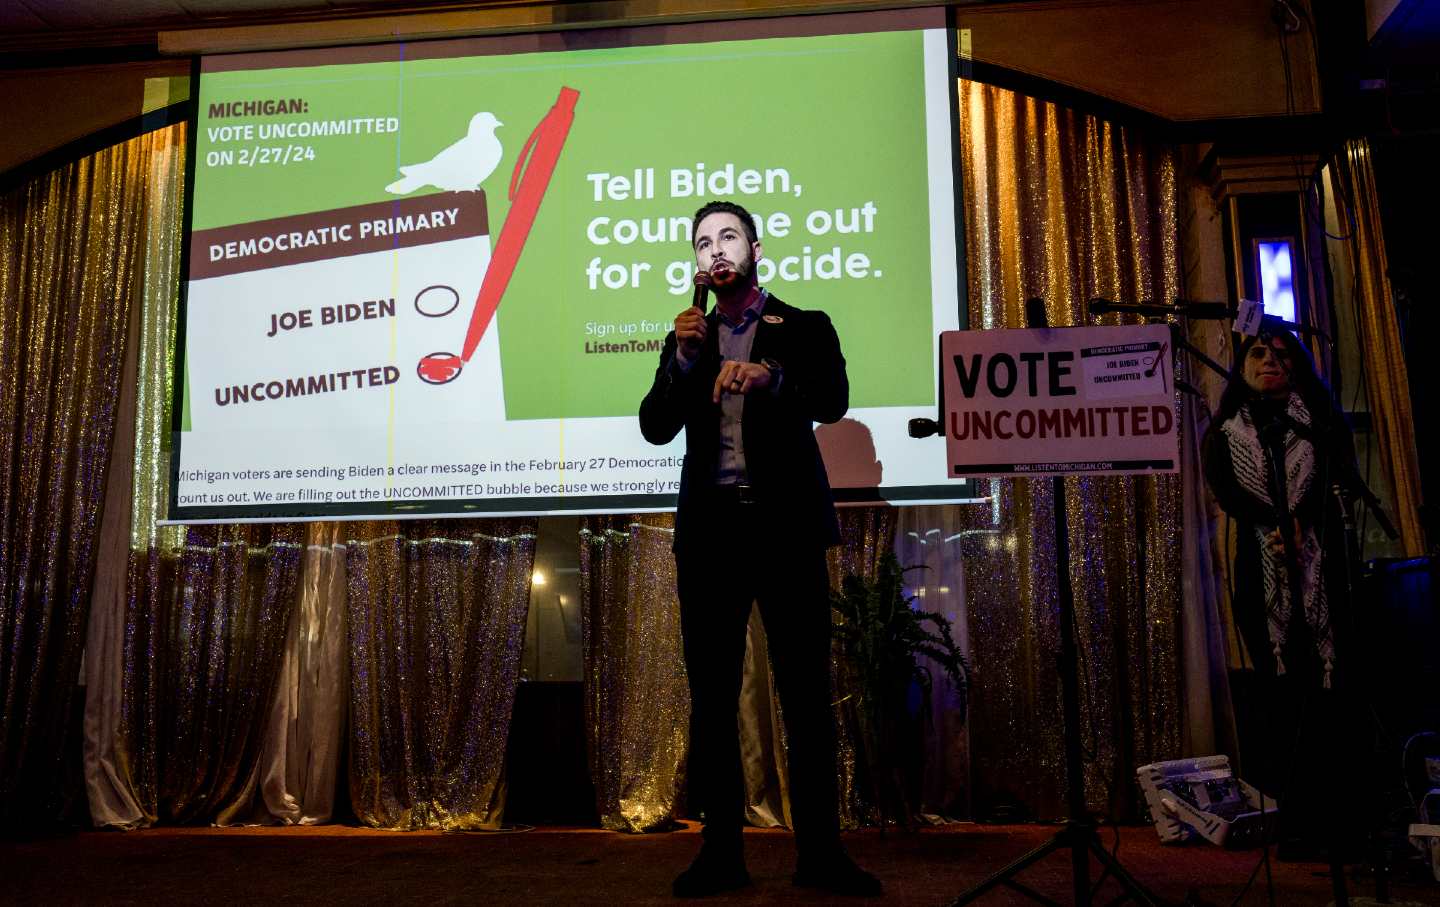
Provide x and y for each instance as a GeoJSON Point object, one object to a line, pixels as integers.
{"type": "Point", "coordinates": [1127, 370]}
{"type": "Point", "coordinates": [1248, 316]}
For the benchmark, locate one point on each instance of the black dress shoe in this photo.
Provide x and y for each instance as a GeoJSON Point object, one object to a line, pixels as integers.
{"type": "Point", "coordinates": [837, 874]}
{"type": "Point", "coordinates": [711, 873]}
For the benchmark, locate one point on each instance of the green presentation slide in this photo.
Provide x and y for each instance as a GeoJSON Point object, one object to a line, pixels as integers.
{"type": "Point", "coordinates": [400, 250]}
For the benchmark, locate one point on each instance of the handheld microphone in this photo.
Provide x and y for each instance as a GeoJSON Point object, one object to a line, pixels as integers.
{"type": "Point", "coordinates": [701, 299]}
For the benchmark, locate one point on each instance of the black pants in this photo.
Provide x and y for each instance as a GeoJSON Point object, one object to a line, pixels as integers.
{"type": "Point", "coordinates": [1314, 747]}
{"type": "Point", "coordinates": [731, 564]}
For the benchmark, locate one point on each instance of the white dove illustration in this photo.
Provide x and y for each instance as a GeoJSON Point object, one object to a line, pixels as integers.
{"type": "Point", "coordinates": [460, 168]}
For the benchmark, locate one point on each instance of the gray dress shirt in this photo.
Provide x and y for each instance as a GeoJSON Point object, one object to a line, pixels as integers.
{"type": "Point", "coordinates": [736, 339]}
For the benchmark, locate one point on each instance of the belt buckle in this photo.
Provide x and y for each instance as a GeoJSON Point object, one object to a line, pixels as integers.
{"type": "Point", "coordinates": [745, 494]}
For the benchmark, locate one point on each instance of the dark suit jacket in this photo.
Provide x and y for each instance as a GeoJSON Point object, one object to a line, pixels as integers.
{"type": "Point", "coordinates": [781, 456]}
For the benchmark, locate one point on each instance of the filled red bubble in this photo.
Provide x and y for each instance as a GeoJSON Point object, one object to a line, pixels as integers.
{"type": "Point", "coordinates": [439, 368]}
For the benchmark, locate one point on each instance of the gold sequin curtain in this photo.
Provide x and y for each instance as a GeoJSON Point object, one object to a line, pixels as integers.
{"type": "Point", "coordinates": [1387, 386]}
{"type": "Point", "coordinates": [71, 247]}
{"type": "Point", "coordinates": [188, 626]}
{"type": "Point", "coordinates": [637, 704]}
{"type": "Point", "coordinates": [222, 622]}
{"type": "Point", "coordinates": [437, 627]}
{"type": "Point", "coordinates": [220, 668]}
{"type": "Point", "coordinates": [1065, 206]}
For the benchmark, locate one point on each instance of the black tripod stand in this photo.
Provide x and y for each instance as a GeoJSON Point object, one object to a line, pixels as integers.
{"type": "Point", "coordinates": [1078, 835]}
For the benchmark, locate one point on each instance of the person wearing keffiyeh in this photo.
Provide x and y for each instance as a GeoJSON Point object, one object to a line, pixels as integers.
{"type": "Point", "coordinates": [1289, 599]}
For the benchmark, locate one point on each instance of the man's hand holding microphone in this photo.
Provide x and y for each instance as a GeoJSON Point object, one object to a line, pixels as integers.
{"type": "Point", "coordinates": [691, 329]}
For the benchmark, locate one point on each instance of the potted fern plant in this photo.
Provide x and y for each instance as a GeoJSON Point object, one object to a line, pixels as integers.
{"type": "Point", "coordinates": [881, 633]}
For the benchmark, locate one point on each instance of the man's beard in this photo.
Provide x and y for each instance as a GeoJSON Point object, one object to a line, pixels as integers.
{"type": "Point", "coordinates": [733, 275]}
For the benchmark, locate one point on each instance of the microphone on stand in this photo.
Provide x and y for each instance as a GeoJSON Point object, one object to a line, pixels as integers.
{"type": "Point", "coordinates": [1275, 322]}
{"type": "Point", "coordinates": [1190, 308]}
{"type": "Point", "coordinates": [1099, 306]}
{"type": "Point", "coordinates": [924, 428]}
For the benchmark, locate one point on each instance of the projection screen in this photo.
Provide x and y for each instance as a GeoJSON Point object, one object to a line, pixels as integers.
{"type": "Point", "coordinates": [433, 278]}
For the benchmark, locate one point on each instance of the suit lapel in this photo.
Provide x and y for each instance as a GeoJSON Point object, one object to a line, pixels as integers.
{"type": "Point", "coordinates": [767, 334]}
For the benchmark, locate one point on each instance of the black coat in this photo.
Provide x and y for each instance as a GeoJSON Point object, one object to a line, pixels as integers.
{"type": "Point", "coordinates": [781, 457]}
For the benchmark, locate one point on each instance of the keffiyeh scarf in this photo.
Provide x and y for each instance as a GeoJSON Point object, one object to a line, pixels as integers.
{"type": "Point", "coordinates": [1249, 460]}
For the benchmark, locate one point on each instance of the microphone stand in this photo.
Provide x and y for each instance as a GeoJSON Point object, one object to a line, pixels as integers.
{"type": "Point", "coordinates": [1348, 479]}
{"type": "Point", "coordinates": [1349, 482]}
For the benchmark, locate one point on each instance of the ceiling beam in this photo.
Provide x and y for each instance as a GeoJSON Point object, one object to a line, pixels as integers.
{"type": "Point", "coordinates": [495, 18]}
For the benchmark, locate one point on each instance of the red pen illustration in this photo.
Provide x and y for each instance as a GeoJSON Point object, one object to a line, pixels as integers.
{"type": "Point", "coordinates": [527, 189]}
{"type": "Point", "coordinates": [1159, 361]}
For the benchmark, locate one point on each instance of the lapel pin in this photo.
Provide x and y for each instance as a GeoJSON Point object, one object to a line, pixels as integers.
{"type": "Point", "coordinates": [772, 319]}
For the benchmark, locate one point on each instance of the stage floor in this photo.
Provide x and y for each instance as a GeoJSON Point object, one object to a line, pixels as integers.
{"type": "Point", "coordinates": [336, 864]}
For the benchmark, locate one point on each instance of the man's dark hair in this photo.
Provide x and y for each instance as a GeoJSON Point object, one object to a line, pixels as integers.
{"type": "Point", "coordinates": [725, 208]}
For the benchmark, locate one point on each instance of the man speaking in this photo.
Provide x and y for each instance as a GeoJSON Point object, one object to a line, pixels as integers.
{"type": "Point", "coordinates": [747, 382]}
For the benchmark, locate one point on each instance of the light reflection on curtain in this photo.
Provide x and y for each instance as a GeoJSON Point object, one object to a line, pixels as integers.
{"type": "Point", "coordinates": [1066, 207]}
{"type": "Point", "coordinates": [120, 687]}
{"type": "Point", "coordinates": [219, 666]}
{"type": "Point", "coordinates": [71, 245]}
{"type": "Point", "coordinates": [436, 614]}
{"type": "Point", "coordinates": [300, 762]}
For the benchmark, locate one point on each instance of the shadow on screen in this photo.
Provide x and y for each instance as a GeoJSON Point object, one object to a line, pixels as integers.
{"type": "Point", "coordinates": [849, 452]}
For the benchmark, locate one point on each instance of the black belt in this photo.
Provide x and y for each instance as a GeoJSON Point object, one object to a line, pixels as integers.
{"type": "Point", "coordinates": [736, 494]}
